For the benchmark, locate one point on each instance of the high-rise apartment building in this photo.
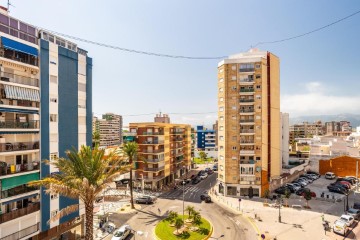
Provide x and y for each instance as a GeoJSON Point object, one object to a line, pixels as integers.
{"type": "Point", "coordinates": [205, 139]}
{"type": "Point", "coordinates": [249, 122]}
{"type": "Point", "coordinates": [164, 152]}
{"type": "Point", "coordinates": [306, 130]}
{"type": "Point", "coordinates": [284, 134]}
{"type": "Point", "coordinates": [45, 109]}
{"type": "Point", "coordinates": [110, 129]}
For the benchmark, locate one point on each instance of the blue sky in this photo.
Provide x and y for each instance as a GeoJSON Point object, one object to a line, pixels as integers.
{"type": "Point", "coordinates": [319, 73]}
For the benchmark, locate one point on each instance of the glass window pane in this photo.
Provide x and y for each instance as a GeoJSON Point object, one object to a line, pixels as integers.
{"type": "Point", "coordinates": [31, 31]}
{"type": "Point", "coordinates": [4, 29]}
{"type": "Point", "coordinates": [14, 33]}
{"type": "Point", "coordinates": [14, 23]}
{"type": "Point", "coordinates": [23, 27]}
{"type": "Point", "coordinates": [4, 19]}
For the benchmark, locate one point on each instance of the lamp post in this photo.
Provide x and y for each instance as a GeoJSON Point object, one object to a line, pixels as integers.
{"type": "Point", "coordinates": [279, 197]}
{"type": "Point", "coordinates": [142, 184]}
{"type": "Point", "coordinates": [183, 183]}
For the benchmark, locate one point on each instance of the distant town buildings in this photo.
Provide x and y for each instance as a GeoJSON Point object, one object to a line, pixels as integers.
{"type": "Point", "coordinates": [306, 130]}
{"type": "Point", "coordinates": [162, 118]}
{"type": "Point", "coordinates": [249, 122]}
{"type": "Point", "coordinates": [339, 129]}
{"type": "Point", "coordinates": [164, 152]}
{"type": "Point", "coordinates": [109, 129]}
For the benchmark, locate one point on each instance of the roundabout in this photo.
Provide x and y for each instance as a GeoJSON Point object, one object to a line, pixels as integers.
{"type": "Point", "coordinates": [193, 228]}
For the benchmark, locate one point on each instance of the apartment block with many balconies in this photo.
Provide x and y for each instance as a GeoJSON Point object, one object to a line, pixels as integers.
{"type": "Point", "coordinates": [164, 152]}
{"type": "Point", "coordinates": [248, 122]}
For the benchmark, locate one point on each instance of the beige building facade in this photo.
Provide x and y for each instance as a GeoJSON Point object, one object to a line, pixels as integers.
{"type": "Point", "coordinates": [164, 152]}
{"type": "Point", "coordinates": [248, 122]}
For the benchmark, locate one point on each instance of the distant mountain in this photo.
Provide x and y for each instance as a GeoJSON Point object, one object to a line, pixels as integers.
{"type": "Point", "coordinates": [354, 119]}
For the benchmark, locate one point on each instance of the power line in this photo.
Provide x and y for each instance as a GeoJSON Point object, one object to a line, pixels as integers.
{"type": "Point", "coordinates": [192, 57]}
{"type": "Point", "coordinates": [308, 33]}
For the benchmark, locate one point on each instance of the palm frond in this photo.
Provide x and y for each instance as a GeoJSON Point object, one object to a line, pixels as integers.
{"type": "Point", "coordinates": [64, 212]}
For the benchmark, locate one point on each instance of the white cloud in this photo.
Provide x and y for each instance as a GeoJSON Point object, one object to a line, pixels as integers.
{"type": "Point", "coordinates": [318, 103]}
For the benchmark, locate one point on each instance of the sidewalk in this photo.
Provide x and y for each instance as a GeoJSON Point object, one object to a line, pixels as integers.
{"type": "Point", "coordinates": [296, 224]}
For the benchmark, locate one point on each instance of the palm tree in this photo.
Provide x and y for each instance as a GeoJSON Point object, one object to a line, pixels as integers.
{"type": "Point", "coordinates": [266, 195]}
{"type": "Point", "coordinates": [196, 217]}
{"type": "Point", "coordinates": [172, 216]}
{"type": "Point", "coordinates": [96, 138]}
{"type": "Point", "coordinates": [178, 224]}
{"type": "Point", "coordinates": [190, 210]}
{"type": "Point", "coordinates": [130, 150]}
{"type": "Point", "coordinates": [308, 197]}
{"type": "Point", "coordinates": [82, 175]}
{"type": "Point", "coordinates": [287, 196]}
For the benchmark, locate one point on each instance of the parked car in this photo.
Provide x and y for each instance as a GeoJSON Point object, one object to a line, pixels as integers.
{"type": "Point", "coordinates": [207, 169]}
{"type": "Point", "coordinates": [348, 219]}
{"type": "Point", "coordinates": [340, 227]}
{"type": "Point", "coordinates": [337, 189]}
{"type": "Point", "coordinates": [215, 168]}
{"type": "Point", "coordinates": [296, 184]}
{"type": "Point", "coordinates": [346, 183]}
{"type": "Point", "coordinates": [207, 199]}
{"type": "Point", "coordinates": [196, 180]}
{"type": "Point", "coordinates": [122, 233]}
{"type": "Point", "coordinates": [352, 178]}
{"type": "Point", "coordinates": [312, 176]}
{"type": "Point", "coordinates": [356, 205]}
{"type": "Point", "coordinates": [200, 172]}
{"type": "Point", "coordinates": [192, 176]}
{"type": "Point", "coordinates": [210, 172]}
{"type": "Point", "coordinates": [339, 184]}
{"type": "Point", "coordinates": [281, 190]}
{"type": "Point", "coordinates": [308, 179]}
{"type": "Point", "coordinates": [352, 182]}
{"type": "Point", "coordinates": [204, 175]}
{"type": "Point", "coordinates": [293, 186]}
{"type": "Point", "coordinates": [153, 198]}
{"type": "Point", "coordinates": [315, 173]}
{"type": "Point", "coordinates": [330, 175]}
{"type": "Point", "coordinates": [302, 190]}
{"type": "Point", "coordinates": [354, 212]}
{"type": "Point", "coordinates": [203, 196]}
{"type": "Point", "coordinates": [144, 200]}
{"type": "Point", "coordinates": [300, 182]}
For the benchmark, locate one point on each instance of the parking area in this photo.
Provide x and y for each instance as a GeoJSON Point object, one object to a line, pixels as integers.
{"type": "Point", "coordinates": [319, 186]}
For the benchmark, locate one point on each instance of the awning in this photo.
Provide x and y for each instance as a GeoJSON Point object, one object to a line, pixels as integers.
{"type": "Point", "coordinates": [3, 109]}
{"type": "Point", "coordinates": [8, 183]}
{"type": "Point", "coordinates": [17, 46]}
{"type": "Point", "coordinates": [18, 199]}
{"type": "Point", "coordinates": [15, 92]}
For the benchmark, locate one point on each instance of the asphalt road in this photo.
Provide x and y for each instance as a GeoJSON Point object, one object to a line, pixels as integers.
{"type": "Point", "coordinates": [226, 223]}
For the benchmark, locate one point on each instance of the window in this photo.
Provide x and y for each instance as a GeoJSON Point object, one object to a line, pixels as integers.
{"type": "Point", "coordinates": [221, 118]}
{"type": "Point", "coordinates": [221, 128]}
{"type": "Point", "coordinates": [53, 99]}
{"type": "Point", "coordinates": [221, 167]}
{"type": "Point", "coordinates": [258, 158]}
{"type": "Point", "coordinates": [233, 67]}
{"type": "Point", "coordinates": [53, 117]}
{"type": "Point", "coordinates": [221, 157]}
{"type": "Point", "coordinates": [53, 137]}
{"type": "Point", "coordinates": [221, 80]}
{"type": "Point", "coordinates": [53, 213]}
{"type": "Point", "coordinates": [51, 38]}
{"type": "Point", "coordinates": [60, 42]}
{"type": "Point", "coordinates": [221, 109]}
{"type": "Point", "coordinates": [258, 86]}
{"type": "Point", "coordinates": [257, 66]}
{"type": "Point", "coordinates": [233, 127]}
{"type": "Point", "coordinates": [246, 67]}
{"type": "Point", "coordinates": [233, 78]}
{"type": "Point", "coordinates": [53, 156]}
{"type": "Point", "coordinates": [257, 117]}
{"type": "Point", "coordinates": [258, 107]}
{"type": "Point", "coordinates": [221, 99]}
{"type": "Point", "coordinates": [234, 147]}
{"type": "Point", "coordinates": [258, 96]}
{"type": "Point", "coordinates": [258, 76]}
{"type": "Point", "coordinates": [82, 87]}
{"type": "Point", "coordinates": [54, 196]}
{"type": "Point", "coordinates": [82, 103]}
{"type": "Point", "coordinates": [233, 88]}
{"type": "Point", "coordinates": [234, 158]}
{"type": "Point", "coordinates": [233, 107]}
{"type": "Point", "coordinates": [221, 89]}
{"type": "Point", "coordinates": [221, 70]}
{"type": "Point", "coordinates": [233, 138]}
{"type": "Point", "coordinates": [221, 138]}
{"type": "Point", "coordinates": [221, 147]}
{"type": "Point", "coordinates": [53, 79]}
{"type": "Point", "coordinates": [233, 117]}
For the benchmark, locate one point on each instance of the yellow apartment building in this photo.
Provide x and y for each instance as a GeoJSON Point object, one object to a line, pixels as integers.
{"type": "Point", "coordinates": [164, 152]}
{"type": "Point", "coordinates": [248, 122]}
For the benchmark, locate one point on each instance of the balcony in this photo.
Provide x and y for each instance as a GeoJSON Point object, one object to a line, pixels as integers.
{"type": "Point", "coordinates": [247, 131]}
{"type": "Point", "coordinates": [152, 142]}
{"type": "Point", "coordinates": [247, 120]}
{"type": "Point", "coordinates": [244, 90]}
{"type": "Point", "coordinates": [247, 152]}
{"type": "Point", "coordinates": [16, 124]}
{"type": "Point", "coordinates": [242, 100]}
{"type": "Point", "coordinates": [246, 81]}
{"type": "Point", "coordinates": [10, 169]}
{"type": "Point", "coordinates": [17, 191]}
{"type": "Point", "coordinates": [152, 151]}
{"type": "Point", "coordinates": [247, 111]}
{"type": "Point", "coordinates": [23, 233]}
{"type": "Point", "coordinates": [32, 207]}
{"type": "Point", "coordinates": [156, 160]}
{"type": "Point", "coordinates": [18, 56]}
{"type": "Point", "coordinates": [20, 146]}
{"type": "Point", "coordinates": [247, 162]}
{"type": "Point", "coordinates": [151, 133]}
{"type": "Point", "coordinates": [13, 78]}
{"type": "Point", "coordinates": [177, 139]}
{"type": "Point", "coordinates": [243, 142]}
{"type": "Point", "coordinates": [154, 169]}
{"type": "Point", "coordinates": [247, 69]}
{"type": "Point", "coordinates": [158, 177]}
{"type": "Point", "coordinates": [19, 103]}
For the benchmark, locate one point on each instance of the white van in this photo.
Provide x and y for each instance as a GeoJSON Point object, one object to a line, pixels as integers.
{"type": "Point", "coordinates": [340, 227]}
{"type": "Point", "coordinates": [330, 175]}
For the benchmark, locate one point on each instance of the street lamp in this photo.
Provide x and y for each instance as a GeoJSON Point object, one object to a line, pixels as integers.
{"type": "Point", "coordinates": [183, 183]}
{"type": "Point", "coordinates": [142, 184]}
{"type": "Point", "coordinates": [279, 198]}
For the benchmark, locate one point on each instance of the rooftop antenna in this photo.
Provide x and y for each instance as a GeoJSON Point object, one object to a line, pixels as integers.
{"type": "Point", "coordinates": [8, 5]}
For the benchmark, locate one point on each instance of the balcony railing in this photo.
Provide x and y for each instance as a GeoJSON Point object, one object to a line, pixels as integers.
{"type": "Point", "coordinates": [247, 69]}
{"type": "Point", "coordinates": [247, 110]}
{"type": "Point", "coordinates": [33, 207]}
{"type": "Point", "coordinates": [17, 190]}
{"type": "Point", "coordinates": [154, 169]}
{"type": "Point", "coordinates": [247, 178]}
{"type": "Point", "coordinates": [247, 141]}
{"type": "Point", "coordinates": [151, 133]}
{"type": "Point", "coordinates": [246, 100]}
{"type": "Point", "coordinates": [154, 160]}
{"type": "Point", "coordinates": [243, 152]}
{"type": "Point", "coordinates": [152, 151]}
{"type": "Point", "coordinates": [152, 142]}
{"type": "Point", "coordinates": [34, 124]}
{"type": "Point", "coordinates": [247, 131]}
{"type": "Point", "coordinates": [18, 56]}
{"type": "Point", "coordinates": [20, 146]}
{"type": "Point", "coordinates": [10, 77]}
{"type": "Point", "coordinates": [247, 120]}
{"type": "Point", "coordinates": [18, 168]}
{"type": "Point", "coordinates": [19, 103]}
{"type": "Point", "coordinates": [247, 80]}
{"type": "Point", "coordinates": [247, 162]}
{"type": "Point", "coordinates": [246, 90]}
{"type": "Point", "coordinates": [177, 139]}
{"type": "Point", "coordinates": [154, 177]}
{"type": "Point", "coordinates": [23, 233]}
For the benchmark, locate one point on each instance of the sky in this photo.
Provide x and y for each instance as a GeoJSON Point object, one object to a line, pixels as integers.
{"type": "Point", "coordinates": [320, 72]}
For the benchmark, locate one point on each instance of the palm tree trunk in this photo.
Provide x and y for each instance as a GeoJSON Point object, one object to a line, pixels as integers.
{"type": "Point", "coordinates": [89, 220]}
{"type": "Point", "coordinates": [131, 187]}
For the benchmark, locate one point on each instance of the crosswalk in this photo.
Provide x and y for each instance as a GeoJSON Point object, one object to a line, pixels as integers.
{"type": "Point", "coordinates": [189, 191]}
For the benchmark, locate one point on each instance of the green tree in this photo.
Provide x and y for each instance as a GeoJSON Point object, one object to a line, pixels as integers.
{"type": "Point", "coordinates": [266, 195]}
{"type": "Point", "coordinates": [130, 150]}
{"type": "Point", "coordinates": [202, 155]}
{"type": "Point", "coordinates": [96, 138]}
{"type": "Point", "coordinates": [308, 197]}
{"type": "Point", "coordinates": [82, 175]}
{"type": "Point", "coordinates": [190, 210]}
{"type": "Point", "coordinates": [178, 224]}
{"type": "Point", "coordinates": [172, 216]}
{"type": "Point", "coordinates": [196, 217]}
{"type": "Point", "coordinates": [287, 196]}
